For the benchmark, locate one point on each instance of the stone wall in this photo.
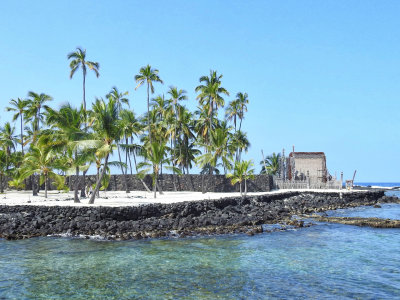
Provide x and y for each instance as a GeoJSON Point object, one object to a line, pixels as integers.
{"type": "Point", "coordinates": [169, 182]}
{"type": "Point", "coordinates": [225, 215]}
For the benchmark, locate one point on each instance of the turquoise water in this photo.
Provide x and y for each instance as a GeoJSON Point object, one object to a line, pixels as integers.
{"type": "Point", "coordinates": [330, 261]}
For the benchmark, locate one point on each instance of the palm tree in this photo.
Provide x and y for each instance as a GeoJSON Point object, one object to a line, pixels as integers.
{"type": "Point", "coordinates": [78, 59]}
{"type": "Point", "coordinates": [70, 136]}
{"type": "Point", "coordinates": [157, 157]}
{"type": "Point", "coordinates": [148, 75]}
{"type": "Point", "coordinates": [42, 160]}
{"type": "Point", "coordinates": [243, 100]}
{"type": "Point", "coordinates": [210, 94]}
{"type": "Point", "coordinates": [232, 111]}
{"type": "Point", "coordinates": [240, 143]}
{"type": "Point", "coordinates": [34, 110]}
{"type": "Point", "coordinates": [271, 163]}
{"type": "Point", "coordinates": [219, 148]}
{"type": "Point", "coordinates": [7, 138]}
{"type": "Point", "coordinates": [3, 168]}
{"type": "Point", "coordinates": [107, 127]}
{"type": "Point", "coordinates": [130, 127]}
{"type": "Point", "coordinates": [242, 172]}
{"type": "Point", "coordinates": [118, 97]}
{"type": "Point", "coordinates": [19, 106]}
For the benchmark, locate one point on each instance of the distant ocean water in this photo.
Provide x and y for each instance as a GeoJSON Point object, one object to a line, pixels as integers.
{"type": "Point", "coordinates": [383, 184]}
{"type": "Point", "coordinates": [325, 261]}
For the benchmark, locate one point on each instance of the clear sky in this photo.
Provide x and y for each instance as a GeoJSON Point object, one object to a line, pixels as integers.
{"type": "Point", "coordinates": [321, 75]}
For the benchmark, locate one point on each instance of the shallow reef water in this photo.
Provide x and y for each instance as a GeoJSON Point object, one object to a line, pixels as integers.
{"type": "Point", "coordinates": [329, 261]}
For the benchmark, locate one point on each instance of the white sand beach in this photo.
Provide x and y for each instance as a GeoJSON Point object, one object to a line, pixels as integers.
{"type": "Point", "coordinates": [121, 198]}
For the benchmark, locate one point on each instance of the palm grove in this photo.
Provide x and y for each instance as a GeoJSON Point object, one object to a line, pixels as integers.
{"type": "Point", "coordinates": [50, 143]}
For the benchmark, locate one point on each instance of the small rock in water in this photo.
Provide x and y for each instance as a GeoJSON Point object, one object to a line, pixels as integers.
{"type": "Point", "coordinates": [377, 206]}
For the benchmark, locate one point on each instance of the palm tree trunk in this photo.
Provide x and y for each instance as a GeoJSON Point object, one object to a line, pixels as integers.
{"type": "Point", "coordinates": [240, 124]}
{"type": "Point", "coordinates": [97, 178]}
{"type": "Point", "coordinates": [34, 190]}
{"type": "Point", "coordinates": [1, 184]}
{"type": "Point", "coordinates": [155, 185]}
{"type": "Point", "coordinates": [148, 112]}
{"type": "Point", "coordinates": [22, 136]}
{"type": "Point", "coordinates": [211, 116]}
{"type": "Point", "coordinates": [141, 180]}
{"type": "Point", "coordinates": [45, 186]}
{"type": "Point", "coordinates": [173, 164]}
{"type": "Point", "coordinates": [240, 188]}
{"type": "Point", "coordinates": [159, 187]}
{"type": "Point", "coordinates": [127, 157]}
{"type": "Point", "coordinates": [245, 187]}
{"type": "Point", "coordinates": [76, 186]}
{"type": "Point", "coordinates": [96, 190]}
{"type": "Point", "coordinates": [123, 172]}
{"type": "Point", "coordinates": [84, 92]}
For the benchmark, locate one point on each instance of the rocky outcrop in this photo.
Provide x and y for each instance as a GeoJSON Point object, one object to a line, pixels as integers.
{"type": "Point", "coordinates": [226, 215]}
{"type": "Point", "coordinates": [357, 221]}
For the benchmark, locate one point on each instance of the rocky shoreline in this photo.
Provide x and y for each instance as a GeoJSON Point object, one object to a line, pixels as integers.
{"type": "Point", "coordinates": [206, 217]}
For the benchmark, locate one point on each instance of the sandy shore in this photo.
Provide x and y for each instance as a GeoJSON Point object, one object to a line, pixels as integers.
{"type": "Point", "coordinates": [120, 198]}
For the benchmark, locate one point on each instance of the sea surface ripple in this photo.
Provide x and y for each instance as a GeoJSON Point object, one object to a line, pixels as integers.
{"type": "Point", "coordinates": [329, 261]}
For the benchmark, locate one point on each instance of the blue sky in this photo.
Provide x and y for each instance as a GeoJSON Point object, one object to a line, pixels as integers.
{"type": "Point", "coordinates": [321, 75]}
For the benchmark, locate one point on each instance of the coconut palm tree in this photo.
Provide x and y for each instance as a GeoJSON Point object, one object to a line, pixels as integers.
{"type": "Point", "coordinates": [118, 97]}
{"type": "Point", "coordinates": [130, 127]}
{"type": "Point", "coordinates": [210, 92]}
{"type": "Point", "coordinates": [3, 168]}
{"type": "Point", "coordinates": [78, 59]}
{"type": "Point", "coordinates": [7, 138]}
{"type": "Point", "coordinates": [19, 107]}
{"type": "Point", "coordinates": [107, 127]}
{"type": "Point", "coordinates": [271, 163]}
{"type": "Point", "coordinates": [241, 172]}
{"type": "Point", "coordinates": [34, 110]}
{"type": "Point", "coordinates": [232, 111]}
{"type": "Point", "coordinates": [219, 148]}
{"type": "Point", "coordinates": [68, 134]}
{"type": "Point", "coordinates": [242, 99]}
{"type": "Point", "coordinates": [43, 160]}
{"type": "Point", "coordinates": [240, 143]}
{"type": "Point", "coordinates": [148, 75]}
{"type": "Point", "coordinates": [157, 157]}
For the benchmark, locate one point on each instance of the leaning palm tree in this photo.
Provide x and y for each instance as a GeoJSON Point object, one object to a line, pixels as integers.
{"type": "Point", "coordinates": [19, 107]}
{"type": "Point", "coordinates": [78, 59]}
{"type": "Point", "coordinates": [107, 127]}
{"type": "Point", "coordinates": [148, 75]}
{"type": "Point", "coordinates": [242, 172]}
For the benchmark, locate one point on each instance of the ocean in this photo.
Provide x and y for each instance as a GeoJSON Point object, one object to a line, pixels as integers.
{"type": "Point", "coordinates": [324, 261]}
